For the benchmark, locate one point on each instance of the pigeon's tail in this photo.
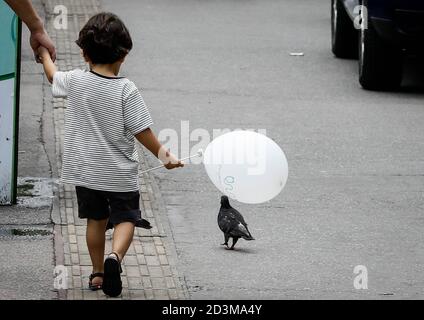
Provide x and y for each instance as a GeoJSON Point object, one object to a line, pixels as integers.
{"type": "Point", "coordinates": [244, 232]}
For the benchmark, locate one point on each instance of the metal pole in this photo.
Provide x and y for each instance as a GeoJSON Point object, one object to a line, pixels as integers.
{"type": "Point", "coordinates": [17, 105]}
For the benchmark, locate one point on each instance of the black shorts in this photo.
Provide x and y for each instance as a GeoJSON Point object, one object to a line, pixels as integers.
{"type": "Point", "coordinates": [118, 207]}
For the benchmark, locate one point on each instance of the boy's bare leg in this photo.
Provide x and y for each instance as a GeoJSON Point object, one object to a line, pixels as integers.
{"type": "Point", "coordinates": [122, 238]}
{"type": "Point", "coordinates": [96, 237]}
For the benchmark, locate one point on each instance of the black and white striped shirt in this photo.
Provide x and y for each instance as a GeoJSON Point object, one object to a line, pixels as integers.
{"type": "Point", "coordinates": [102, 117]}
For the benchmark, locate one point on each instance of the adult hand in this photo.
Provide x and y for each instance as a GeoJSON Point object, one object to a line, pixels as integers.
{"type": "Point", "coordinates": [40, 38]}
{"type": "Point", "coordinates": [29, 16]}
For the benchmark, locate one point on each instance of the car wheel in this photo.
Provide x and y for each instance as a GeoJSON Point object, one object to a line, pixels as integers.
{"type": "Point", "coordinates": [380, 64]}
{"type": "Point", "coordinates": [344, 36]}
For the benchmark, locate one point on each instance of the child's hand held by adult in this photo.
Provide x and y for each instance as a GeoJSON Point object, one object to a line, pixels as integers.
{"type": "Point", "coordinates": [40, 39]}
{"type": "Point", "coordinates": [42, 53]}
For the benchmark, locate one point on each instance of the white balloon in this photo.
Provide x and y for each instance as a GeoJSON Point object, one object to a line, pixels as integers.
{"type": "Point", "coordinates": [246, 166]}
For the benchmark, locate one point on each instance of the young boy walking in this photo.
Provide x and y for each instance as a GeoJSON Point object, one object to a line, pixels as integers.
{"type": "Point", "coordinates": [104, 114]}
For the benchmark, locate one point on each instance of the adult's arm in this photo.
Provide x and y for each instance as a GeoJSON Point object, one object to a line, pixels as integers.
{"type": "Point", "coordinates": [39, 36]}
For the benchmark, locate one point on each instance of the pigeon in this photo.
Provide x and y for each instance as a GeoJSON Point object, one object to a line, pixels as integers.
{"type": "Point", "coordinates": [232, 224]}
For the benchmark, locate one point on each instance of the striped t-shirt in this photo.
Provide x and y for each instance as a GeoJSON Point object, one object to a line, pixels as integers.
{"type": "Point", "coordinates": [102, 117]}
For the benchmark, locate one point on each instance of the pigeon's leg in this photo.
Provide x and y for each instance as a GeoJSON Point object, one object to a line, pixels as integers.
{"type": "Point", "coordinates": [226, 237]}
{"type": "Point", "coordinates": [234, 242]}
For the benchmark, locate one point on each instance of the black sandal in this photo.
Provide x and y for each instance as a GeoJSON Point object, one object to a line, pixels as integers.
{"type": "Point", "coordinates": [95, 287]}
{"type": "Point", "coordinates": [112, 284]}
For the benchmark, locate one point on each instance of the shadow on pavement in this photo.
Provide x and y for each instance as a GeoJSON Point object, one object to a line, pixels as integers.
{"type": "Point", "coordinates": [413, 81]}
{"type": "Point", "coordinates": [240, 250]}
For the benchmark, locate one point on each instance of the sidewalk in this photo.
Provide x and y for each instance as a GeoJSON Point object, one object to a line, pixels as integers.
{"type": "Point", "coordinates": [149, 270]}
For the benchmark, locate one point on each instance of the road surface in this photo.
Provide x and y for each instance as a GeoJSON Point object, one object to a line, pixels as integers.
{"type": "Point", "coordinates": [355, 189]}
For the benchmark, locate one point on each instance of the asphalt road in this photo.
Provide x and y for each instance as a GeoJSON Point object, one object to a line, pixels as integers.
{"type": "Point", "coordinates": [355, 189]}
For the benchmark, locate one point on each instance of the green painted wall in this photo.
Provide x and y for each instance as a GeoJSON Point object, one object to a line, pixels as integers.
{"type": "Point", "coordinates": [8, 35]}
{"type": "Point", "coordinates": [9, 88]}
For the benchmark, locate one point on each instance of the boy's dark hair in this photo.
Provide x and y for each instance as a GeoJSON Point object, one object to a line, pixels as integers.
{"type": "Point", "coordinates": [105, 39]}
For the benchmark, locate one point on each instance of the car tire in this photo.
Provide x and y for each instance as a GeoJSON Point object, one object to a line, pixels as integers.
{"type": "Point", "coordinates": [344, 36]}
{"type": "Point", "coordinates": [380, 64]}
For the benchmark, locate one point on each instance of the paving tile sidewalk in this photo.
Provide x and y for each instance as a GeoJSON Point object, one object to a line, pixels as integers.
{"type": "Point", "coordinates": [149, 270]}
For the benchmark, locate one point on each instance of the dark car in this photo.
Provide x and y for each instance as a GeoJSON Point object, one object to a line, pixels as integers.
{"type": "Point", "coordinates": [379, 33]}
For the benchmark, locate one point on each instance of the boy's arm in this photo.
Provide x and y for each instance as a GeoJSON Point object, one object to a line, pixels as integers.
{"type": "Point", "coordinates": [48, 64]}
{"type": "Point", "coordinates": [148, 139]}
